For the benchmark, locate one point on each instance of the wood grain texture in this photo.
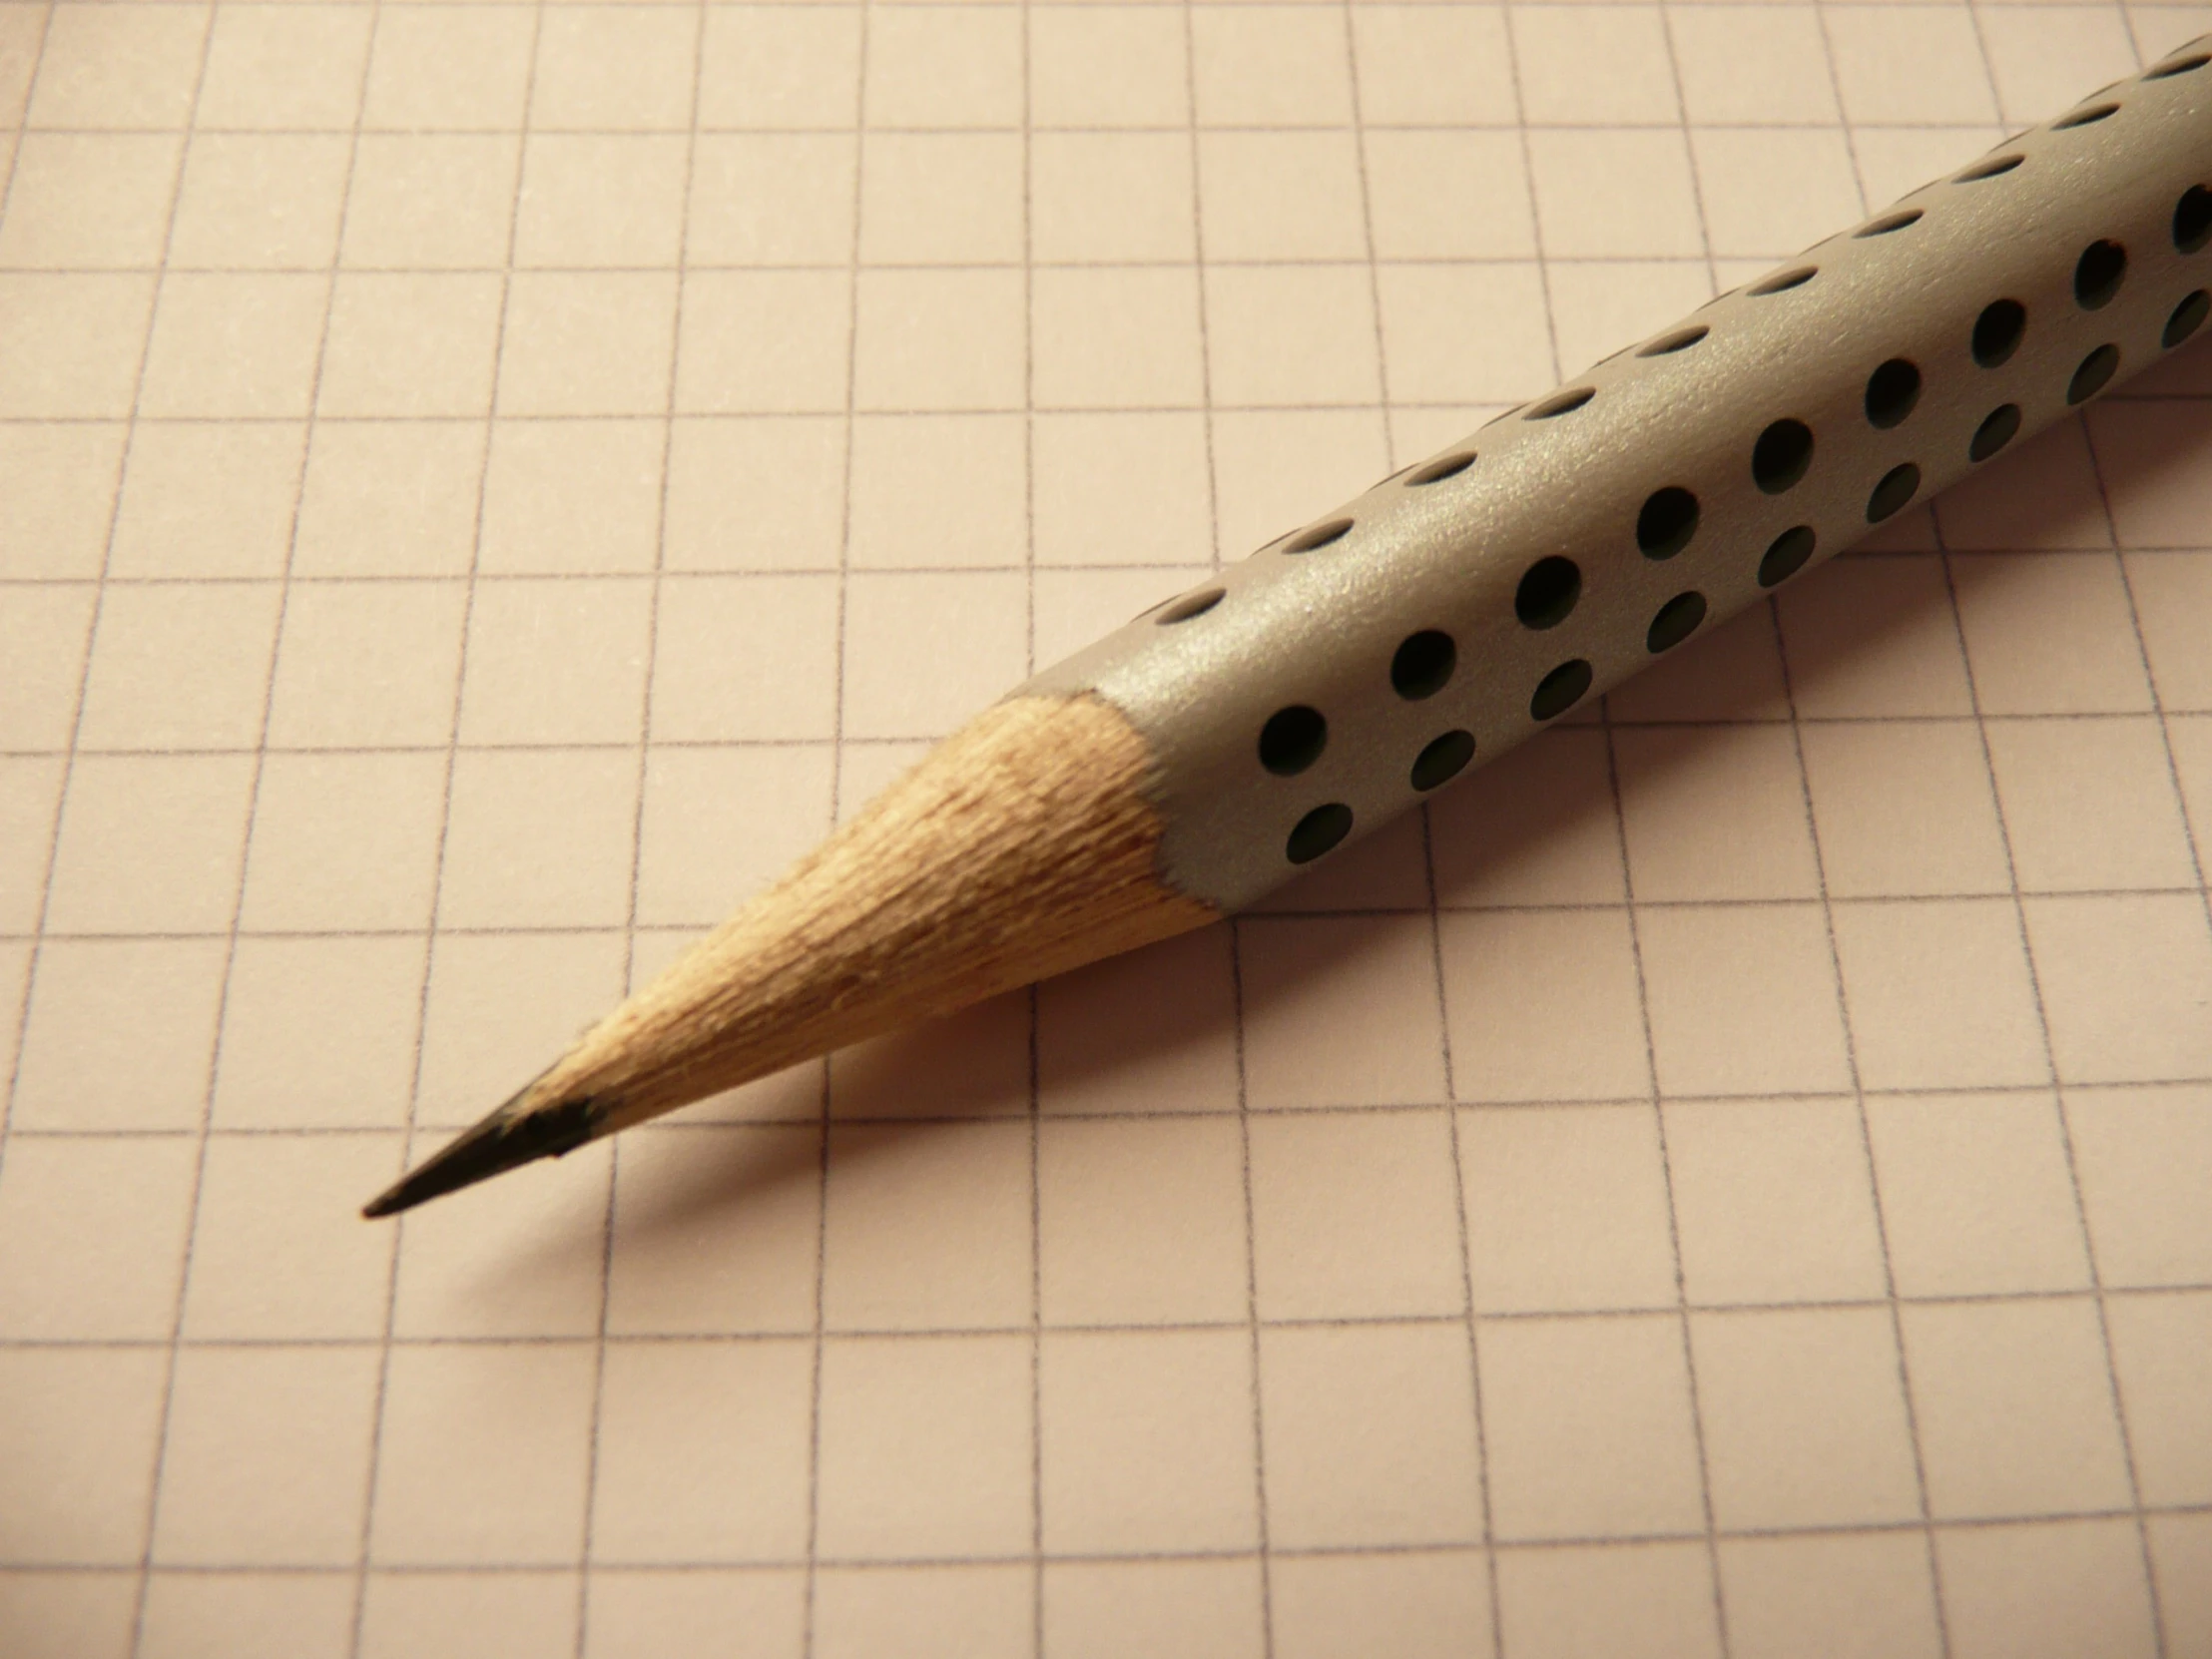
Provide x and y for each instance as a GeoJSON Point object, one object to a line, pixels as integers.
{"type": "Point", "coordinates": [1020, 848]}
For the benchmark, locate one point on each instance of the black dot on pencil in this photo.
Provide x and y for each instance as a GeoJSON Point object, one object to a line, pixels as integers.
{"type": "Point", "coordinates": [2099, 275]}
{"type": "Point", "coordinates": [2193, 220]}
{"type": "Point", "coordinates": [1997, 332]}
{"type": "Point", "coordinates": [1889, 221]}
{"type": "Point", "coordinates": [2096, 370]}
{"type": "Point", "coordinates": [1423, 664]}
{"type": "Point", "coordinates": [1786, 555]}
{"type": "Point", "coordinates": [1560, 402]}
{"type": "Point", "coordinates": [1990, 168]}
{"type": "Point", "coordinates": [1293, 740]}
{"type": "Point", "coordinates": [1995, 431]}
{"type": "Point", "coordinates": [1892, 390]}
{"type": "Point", "coordinates": [2188, 317]}
{"type": "Point", "coordinates": [1673, 340]}
{"type": "Point", "coordinates": [1547, 592]}
{"type": "Point", "coordinates": [1317, 831]}
{"type": "Point", "coordinates": [1780, 457]}
{"type": "Point", "coordinates": [1435, 472]}
{"type": "Point", "coordinates": [1320, 535]}
{"type": "Point", "coordinates": [1442, 760]}
{"type": "Point", "coordinates": [1667, 522]}
{"type": "Point", "coordinates": [1782, 282]}
{"type": "Point", "coordinates": [2087, 117]}
{"type": "Point", "coordinates": [2177, 66]}
{"type": "Point", "coordinates": [1677, 620]}
{"type": "Point", "coordinates": [1898, 485]}
{"type": "Point", "coordinates": [1560, 690]}
{"type": "Point", "coordinates": [1188, 606]}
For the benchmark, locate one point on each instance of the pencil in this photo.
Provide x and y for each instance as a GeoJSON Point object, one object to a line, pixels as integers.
{"type": "Point", "coordinates": [1215, 746]}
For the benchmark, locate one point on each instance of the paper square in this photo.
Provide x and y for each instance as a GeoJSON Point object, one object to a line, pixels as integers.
{"type": "Point", "coordinates": [208, 500]}
{"type": "Point", "coordinates": [1150, 1030]}
{"type": "Point", "coordinates": [1950, 843]}
{"type": "Point", "coordinates": [2014, 1406]}
{"type": "Point", "coordinates": [939, 339]}
{"type": "Point", "coordinates": [452, 1257]}
{"type": "Point", "coordinates": [1452, 332]}
{"type": "Point", "coordinates": [1923, 67]}
{"type": "Point", "coordinates": [943, 66]}
{"type": "Point", "coordinates": [621, 68]}
{"type": "Point", "coordinates": [30, 797]}
{"type": "Point", "coordinates": [550, 661]}
{"type": "Point", "coordinates": [929, 1612]}
{"type": "Point", "coordinates": [1383, 967]}
{"type": "Point", "coordinates": [2091, 806]}
{"type": "Point", "coordinates": [319, 1033]}
{"type": "Point", "coordinates": [179, 668]}
{"type": "Point", "coordinates": [501, 1007]}
{"type": "Point", "coordinates": [667, 1487]}
{"type": "Point", "coordinates": [1281, 195]}
{"type": "Point", "coordinates": [1587, 1422]}
{"type": "Point", "coordinates": [89, 200]}
{"type": "Point", "coordinates": [1566, 1209]}
{"type": "Point", "coordinates": [77, 1073]}
{"type": "Point", "coordinates": [92, 1231]}
{"type": "Point", "coordinates": [410, 346]}
{"type": "Point", "coordinates": [481, 1454]}
{"type": "Point", "coordinates": [1147, 1441]}
{"type": "Point", "coordinates": [2043, 59]}
{"type": "Point", "coordinates": [1411, 1476]}
{"type": "Point", "coordinates": [522, 1613]}
{"type": "Point", "coordinates": [1768, 65]}
{"type": "Point", "coordinates": [771, 197]}
{"type": "Point", "coordinates": [1623, 194]}
{"type": "Point", "coordinates": [79, 1441]}
{"type": "Point", "coordinates": [1767, 193]}
{"type": "Point", "coordinates": [234, 346]}
{"type": "Point", "coordinates": [538, 838]}
{"type": "Point", "coordinates": [305, 1614]}
{"type": "Point", "coordinates": [600, 200]}
{"type": "Point", "coordinates": [1121, 488]}
{"type": "Point", "coordinates": [2049, 633]}
{"type": "Point", "coordinates": [431, 201]}
{"type": "Point", "coordinates": [344, 842]}
{"type": "Point", "coordinates": [780, 66]}
{"type": "Point", "coordinates": [1327, 309]}
{"type": "Point", "coordinates": [1272, 466]}
{"type": "Point", "coordinates": [132, 67]}
{"type": "Point", "coordinates": [1269, 66]}
{"type": "Point", "coordinates": [1630, 1601]}
{"type": "Point", "coordinates": [2046, 1588]}
{"type": "Point", "coordinates": [1117, 338]}
{"type": "Point", "coordinates": [1141, 1220]}
{"type": "Point", "coordinates": [1421, 67]}
{"type": "Point", "coordinates": [925, 1446]}
{"type": "Point", "coordinates": [943, 199]}
{"type": "Point", "coordinates": [237, 1442]}
{"type": "Point", "coordinates": [295, 70]}
{"type": "Point", "coordinates": [1354, 1215]}
{"type": "Point", "coordinates": [1107, 67]}
{"type": "Point", "coordinates": [2160, 1350]}
{"type": "Point", "coordinates": [1805, 1418]}
{"type": "Point", "coordinates": [696, 861]}
{"type": "Point", "coordinates": [57, 496]}
{"type": "Point", "coordinates": [965, 628]}
{"type": "Point", "coordinates": [2120, 980]}
{"type": "Point", "coordinates": [249, 201]}
{"type": "Point", "coordinates": [730, 360]}
{"type": "Point", "coordinates": [1873, 637]}
{"type": "Point", "coordinates": [636, 1614]}
{"type": "Point", "coordinates": [754, 495]}
{"type": "Point", "coordinates": [2140, 1156]}
{"type": "Point", "coordinates": [70, 346]}
{"type": "Point", "coordinates": [1773, 1202]}
{"type": "Point", "coordinates": [465, 69]}
{"type": "Point", "coordinates": [1757, 846]}
{"type": "Point", "coordinates": [150, 844]}
{"type": "Point", "coordinates": [927, 1229]}
{"type": "Point", "coordinates": [2173, 604]}
{"type": "Point", "coordinates": [1399, 1605]}
{"type": "Point", "coordinates": [351, 522]}
{"type": "Point", "coordinates": [1742, 999]}
{"type": "Point", "coordinates": [1855, 1596]}
{"type": "Point", "coordinates": [2042, 496]}
{"type": "Point", "coordinates": [1444, 194]}
{"type": "Point", "coordinates": [1938, 995]}
{"type": "Point", "coordinates": [588, 344]}
{"type": "Point", "coordinates": [1111, 195]}
{"type": "Point", "coordinates": [1543, 1005]}
{"type": "Point", "coordinates": [48, 631]}
{"type": "Point", "coordinates": [1537, 826]}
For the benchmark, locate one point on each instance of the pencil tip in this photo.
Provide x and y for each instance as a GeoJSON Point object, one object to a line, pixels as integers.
{"type": "Point", "coordinates": [501, 1142]}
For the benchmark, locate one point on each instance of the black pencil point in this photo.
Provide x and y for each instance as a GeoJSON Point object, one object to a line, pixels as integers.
{"type": "Point", "coordinates": [499, 1143]}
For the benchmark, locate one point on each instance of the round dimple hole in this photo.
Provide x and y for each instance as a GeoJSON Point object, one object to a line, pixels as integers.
{"type": "Point", "coordinates": [1898, 485]}
{"type": "Point", "coordinates": [1892, 390]}
{"type": "Point", "coordinates": [1780, 457]}
{"type": "Point", "coordinates": [1435, 472]}
{"type": "Point", "coordinates": [1994, 168]}
{"type": "Point", "coordinates": [1547, 592]}
{"type": "Point", "coordinates": [2177, 66]}
{"type": "Point", "coordinates": [1997, 332]}
{"type": "Point", "coordinates": [1995, 431]}
{"type": "Point", "coordinates": [1560, 690]}
{"type": "Point", "coordinates": [2187, 318]}
{"type": "Point", "coordinates": [2099, 273]}
{"type": "Point", "coordinates": [1677, 620]}
{"type": "Point", "coordinates": [1422, 666]}
{"type": "Point", "coordinates": [1680, 339]}
{"type": "Point", "coordinates": [1890, 221]}
{"type": "Point", "coordinates": [1444, 759]}
{"type": "Point", "coordinates": [1317, 831]}
{"type": "Point", "coordinates": [1784, 281]}
{"type": "Point", "coordinates": [1190, 605]}
{"type": "Point", "coordinates": [1293, 740]}
{"type": "Point", "coordinates": [2097, 369]}
{"type": "Point", "coordinates": [2084, 118]}
{"type": "Point", "coordinates": [1560, 402]}
{"type": "Point", "coordinates": [1786, 555]}
{"type": "Point", "coordinates": [2193, 218]}
{"type": "Point", "coordinates": [1667, 522]}
{"type": "Point", "coordinates": [1320, 535]}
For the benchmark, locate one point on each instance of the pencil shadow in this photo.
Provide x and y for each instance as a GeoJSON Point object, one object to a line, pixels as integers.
{"type": "Point", "coordinates": [1159, 1031]}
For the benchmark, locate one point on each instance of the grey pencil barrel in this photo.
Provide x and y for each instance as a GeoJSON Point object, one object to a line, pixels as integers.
{"type": "Point", "coordinates": [1317, 689]}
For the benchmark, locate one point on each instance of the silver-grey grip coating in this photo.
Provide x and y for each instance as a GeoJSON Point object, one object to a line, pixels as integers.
{"type": "Point", "coordinates": [1561, 557]}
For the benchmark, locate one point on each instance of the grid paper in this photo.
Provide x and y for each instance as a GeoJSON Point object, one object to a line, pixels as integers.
{"type": "Point", "coordinates": [482, 486]}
